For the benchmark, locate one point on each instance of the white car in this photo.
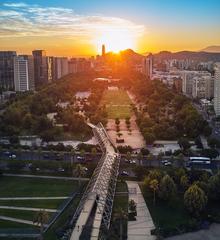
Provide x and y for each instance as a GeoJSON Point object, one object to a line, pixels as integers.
{"type": "Point", "coordinates": [12, 156]}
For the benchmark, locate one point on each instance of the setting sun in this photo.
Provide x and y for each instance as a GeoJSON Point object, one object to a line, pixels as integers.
{"type": "Point", "coordinates": [116, 40]}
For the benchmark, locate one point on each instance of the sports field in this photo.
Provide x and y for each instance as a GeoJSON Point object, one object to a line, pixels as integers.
{"type": "Point", "coordinates": [118, 104]}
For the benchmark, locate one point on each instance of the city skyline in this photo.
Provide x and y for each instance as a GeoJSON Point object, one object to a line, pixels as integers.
{"type": "Point", "coordinates": [80, 28]}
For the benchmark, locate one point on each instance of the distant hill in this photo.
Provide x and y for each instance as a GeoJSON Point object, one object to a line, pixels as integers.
{"type": "Point", "coordinates": [198, 56]}
{"type": "Point", "coordinates": [212, 49]}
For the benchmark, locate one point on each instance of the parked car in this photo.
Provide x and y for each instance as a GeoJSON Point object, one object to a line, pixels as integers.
{"type": "Point", "coordinates": [124, 173]}
{"type": "Point", "coordinates": [13, 156]}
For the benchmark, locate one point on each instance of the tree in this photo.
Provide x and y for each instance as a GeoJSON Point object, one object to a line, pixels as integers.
{"type": "Point", "coordinates": [41, 218]}
{"type": "Point", "coordinates": [132, 208]}
{"type": "Point", "coordinates": [79, 171]}
{"type": "Point", "coordinates": [140, 157]}
{"type": "Point", "coordinates": [120, 215]}
{"type": "Point", "coordinates": [195, 200]}
{"type": "Point", "coordinates": [184, 143]}
{"type": "Point", "coordinates": [207, 131]}
{"type": "Point", "coordinates": [149, 137]}
{"type": "Point", "coordinates": [154, 186]}
{"type": "Point", "coordinates": [94, 152]}
{"type": "Point", "coordinates": [180, 160]}
{"type": "Point", "coordinates": [150, 157]}
{"type": "Point", "coordinates": [184, 182]}
{"type": "Point", "coordinates": [128, 156]}
{"type": "Point", "coordinates": [167, 188]}
{"type": "Point", "coordinates": [214, 187]}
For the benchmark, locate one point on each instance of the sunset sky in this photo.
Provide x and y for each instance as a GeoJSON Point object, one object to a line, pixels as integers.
{"type": "Point", "coordinates": [79, 27]}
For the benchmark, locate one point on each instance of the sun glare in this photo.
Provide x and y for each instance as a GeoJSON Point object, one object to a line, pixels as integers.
{"type": "Point", "coordinates": [115, 40]}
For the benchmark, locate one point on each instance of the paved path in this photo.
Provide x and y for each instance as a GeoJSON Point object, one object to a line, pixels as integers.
{"type": "Point", "coordinates": [32, 198]}
{"type": "Point", "coordinates": [213, 233]}
{"type": "Point", "coordinates": [17, 220]}
{"type": "Point", "coordinates": [141, 228]}
{"type": "Point", "coordinates": [28, 209]}
{"type": "Point", "coordinates": [44, 177]}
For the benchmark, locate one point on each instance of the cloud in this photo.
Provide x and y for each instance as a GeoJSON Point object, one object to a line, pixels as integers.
{"type": "Point", "coordinates": [21, 19]}
{"type": "Point", "coordinates": [15, 5]}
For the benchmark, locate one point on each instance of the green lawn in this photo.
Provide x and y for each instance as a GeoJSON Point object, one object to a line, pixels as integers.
{"type": "Point", "coordinates": [33, 203]}
{"type": "Point", "coordinates": [120, 201]}
{"type": "Point", "coordinates": [117, 104]}
{"type": "Point", "coordinates": [60, 223]}
{"type": "Point", "coordinates": [31, 187]}
{"type": "Point", "coordinates": [116, 97]}
{"type": "Point", "coordinates": [35, 187]}
{"type": "Point", "coordinates": [14, 225]}
{"type": "Point", "coordinates": [162, 217]}
{"type": "Point", "coordinates": [26, 215]}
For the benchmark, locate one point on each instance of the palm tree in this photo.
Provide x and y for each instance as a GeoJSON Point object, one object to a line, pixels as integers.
{"type": "Point", "coordinates": [94, 152]}
{"type": "Point", "coordinates": [121, 215]}
{"type": "Point", "coordinates": [150, 157]}
{"type": "Point", "coordinates": [154, 185]}
{"type": "Point", "coordinates": [41, 218]}
{"type": "Point", "coordinates": [79, 171]}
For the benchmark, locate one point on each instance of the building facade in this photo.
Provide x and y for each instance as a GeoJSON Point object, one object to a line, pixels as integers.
{"type": "Point", "coordinates": [217, 89]}
{"type": "Point", "coordinates": [40, 67]}
{"type": "Point", "coordinates": [7, 70]}
{"type": "Point", "coordinates": [30, 61]}
{"type": "Point", "coordinates": [21, 81]}
{"type": "Point", "coordinates": [147, 66]}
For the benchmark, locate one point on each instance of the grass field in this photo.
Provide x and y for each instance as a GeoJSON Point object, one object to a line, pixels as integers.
{"type": "Point", "coordinates": [31, 187]}
{"type": "Point", "coordinates": [117, 104]}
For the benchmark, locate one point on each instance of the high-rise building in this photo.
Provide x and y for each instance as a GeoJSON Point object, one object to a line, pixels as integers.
{"type": "Point", "coordinates": [30, 61]}
{"type": "Point", "coordinates": [103, 50]}
{"type": "Point", "coordinates": [217, 89]}
{"type": "Point", "coordinates": [21, 80]}
{"type": "Point", "coordinates": [72, 65]}
{"type": "Point", "coordinates": [52, 69]}
{"type": "Point", "coordinates": [40, 67]}
{"type": "Point", "coordinates": [147, 66]}
{"type": "Point", "coordinates": [7, 70]}
{"type": "Point", "coordinates": [61, 66]}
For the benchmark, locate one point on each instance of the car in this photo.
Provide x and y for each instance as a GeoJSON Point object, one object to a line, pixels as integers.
{"type": "Point", "coordinates": [164, 161]}
{"type": "Point", "coordinates": [46, 156]}
{"type": "Point", "coordinates": [61, 170]}
{"type": "Point", "coordinates": [7, 153]}
{"type": "Point", "coordinates": [167, 163]}
{"type": "Point", "coordinates": [13, 156]}
{"type": "Point", "coordinates": [37, 169]}
{"type": "Point", "coordinates": [124, 173]}
{"type": "Point", "coordinates": [132, 161]}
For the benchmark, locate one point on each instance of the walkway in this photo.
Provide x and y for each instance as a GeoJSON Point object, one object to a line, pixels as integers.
{"type": "Point", "coordinates": [17, 220]}
{"type": "Point", "coordinates": [44, 177]}
{"type": "Point", "coordinates": [28, 209]}
{"type": "Point", "coordinates": [141, 228]}
{"type": "Point", "coordinates": [213, 233]}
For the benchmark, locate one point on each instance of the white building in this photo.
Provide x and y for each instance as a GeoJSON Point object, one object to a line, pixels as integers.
{"type": "Point", "coordinates": [21, 79]}
{"type": "Point", "coordinates": [61, 66]}
{"type": "Point", "coordinates": [202, 86]}
{"type": "Point", "coordinates": [217, 89]}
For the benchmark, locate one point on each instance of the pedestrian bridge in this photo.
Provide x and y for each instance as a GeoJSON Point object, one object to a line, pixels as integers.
{"type": "Point", "coordinates": [93, 215]}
